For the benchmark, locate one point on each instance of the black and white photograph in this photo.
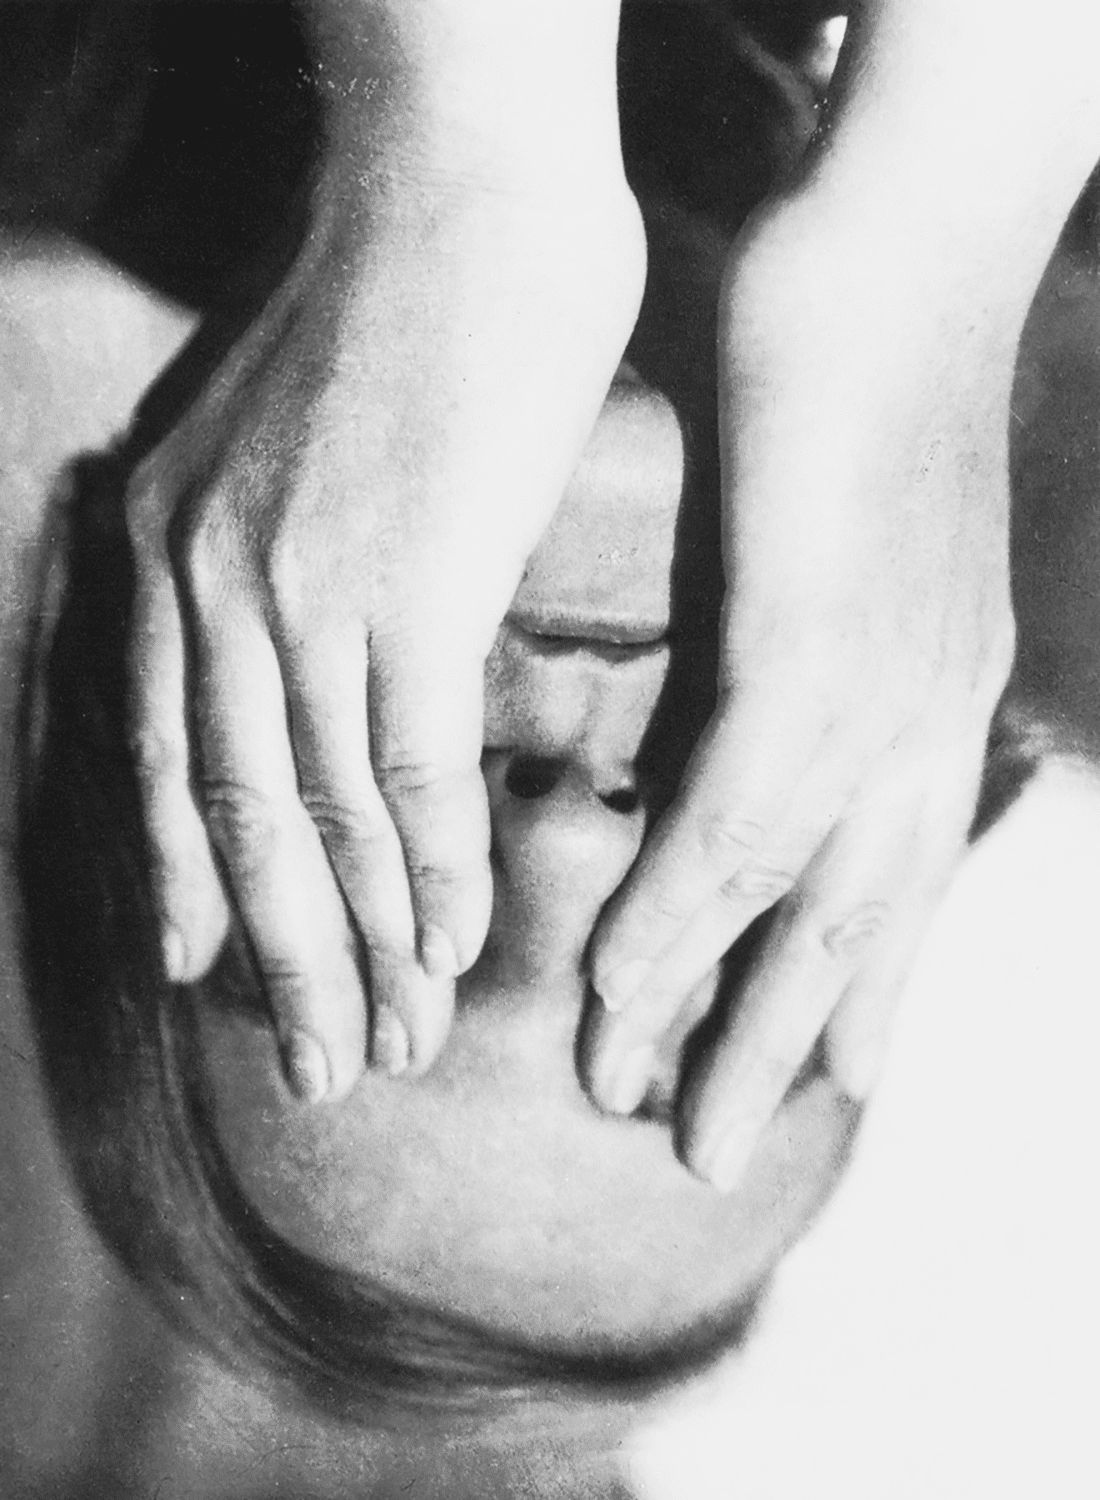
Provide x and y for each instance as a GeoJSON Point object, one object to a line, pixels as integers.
{"type": "Point", "coordinates": [549, 749]}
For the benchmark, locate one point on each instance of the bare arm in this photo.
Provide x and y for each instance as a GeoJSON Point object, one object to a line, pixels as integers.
{"type": "Point", "coordinates": [336, 525]}
{"type": "Point", "coordinates": [870, 323]}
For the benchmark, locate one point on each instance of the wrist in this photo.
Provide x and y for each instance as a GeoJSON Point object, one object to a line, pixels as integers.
{"type": "Point", "coordinates": [497, 93]}
{"type": "Point", "coordinates": [831, 239]}
{"type": "Point", "coordinates": [962, 131]}
{"type": "Point", "coordinates": [832, 317]}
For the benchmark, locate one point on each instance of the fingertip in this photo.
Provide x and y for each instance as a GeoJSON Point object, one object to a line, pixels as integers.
{"type": "Point", "coordinates": [320, 1019]}
{"type": "Point", "coordinates": [174, 953]}
{"type": "Point", "coordinates": [438, 955]}
{"type": "Point", "coordinates": [411, 1017]}
{"type": "Point", "coordinates": [720, 1129]}
{"type": "Point", "coordinates": [315, 1073]}
{"type": "Point", "coordinates": [191, 904]}
{"type": "Point", "coordinates": [429, 1027]}
{"type": "Point", "coordinates": [306, 1066]}
{"type": "Point", "coordinates": [619, 1084]}
{"type": "Point", "coordinates": [621, 1051]}
{"type": "Point", "coordinates": [618, 983]}
{"type": "Point", "coordinates": [470, 939]}
{"type": "Point", "coordinates": [629, 942]}
{"type": "Point", "coordinates": [724, 1159]}
{"type": "Point", "coordinates": [618, 1058]}
{"type": "Point", "coordinates": [345, 1060]}
{"type": "Point", "coordinates": [452, 913]}
{"type": "Point", "coordinates": [193, 930]}
{"type": "Point", "coordinates": [444, 833]}
{"type": "Point", "coordinates": [391, 1048]}
{"type": "Point", "coordinates": [720, 1120]}
{"type": "Point", "coordinates": [855, 1065]}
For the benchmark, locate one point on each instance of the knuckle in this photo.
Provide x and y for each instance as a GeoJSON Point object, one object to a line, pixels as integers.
{"type": "Point", "coordinates": [413, 783]}
{"type": "Point", "coordinates": [286, 983]}
{"type": "Point", "coordinates": [757, 880]}
{"type": "Point", "coordinates": [243, 823]}
{"type": "Point", "coordinates": [663, 908]}
{"type": "Point", "coordinates": [666, 911]}
{"type": "Point", "coordinates": [848, 936]}
{"type": "Point", "coordinates": [407, 779]}
{"type": "Point", "coordinates": [440, 871]}
{"type": "Point", "coordinates": [344, 826]}
{"type": "Point", "coordinates": [728, 839]}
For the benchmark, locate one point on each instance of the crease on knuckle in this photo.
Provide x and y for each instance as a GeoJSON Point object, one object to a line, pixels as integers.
{"type": "Point", "coordinates": [243, 823]}
{"type": "Point", "coordinates": [342, 825]}
{"type": "Point", "coordinates": [409, 780]}
{"type": "Point", "coordinates": [729, 840]}
{"type": "Point", "coordinates": [847, 937]}
{"type": "Point", "coordinates": [668, 909]}
{"type": "Point", "coordinates": [758, 881]}
{"type": "Point", "coordinates": [453, 874]}
{"type": "Point", "coordinates": [283, 979]}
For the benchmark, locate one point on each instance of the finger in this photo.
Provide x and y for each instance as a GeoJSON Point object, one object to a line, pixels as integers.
{"type": "Point", "coordinates": [855, 901]}
{"type": "Point", "coordinates": [615, 1079]}
{"type": "Point", "coordinates": [425, 733]}
{"type": "Point", "coordinates": [858, 1033]}
{"type": "Point", "coordinates": [326, 681]}
{"type": "Point", "coordinates": [620, 1063]}
{"type": "Point", "coordinates": [193, 913]}
{"type": "Point", "coordinates": [723, 831]}
{"type": "Point", "coordinates": [278, 871]}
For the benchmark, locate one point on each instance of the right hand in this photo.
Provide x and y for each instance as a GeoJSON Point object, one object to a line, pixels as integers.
{"type": "Point", "coordinates": [326, 539]}
{"type": "Point", "coordinates": [866, 637]}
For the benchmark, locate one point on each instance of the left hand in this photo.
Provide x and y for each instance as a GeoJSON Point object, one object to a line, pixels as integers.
{"type": "Point", "coordinates": [866, 639]}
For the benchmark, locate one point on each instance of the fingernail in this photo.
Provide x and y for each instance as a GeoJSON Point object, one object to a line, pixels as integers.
{"type": "Point", "coordinates": [437, 954]}
{"type": "Point", "coordinates": [724, 1166]}
{"type": "Point", "coordinates": [619, 987]}
{"type": "Point", "coordinates": [175, 956]}
{"type": "Point", "coordinates": [625, 1089]}
{"type": "Point", "coordinates": [857, 1071]}
{"type": "Point", "coordinates": [306, 1067]}
{"type": "Point", "coordinates": [389, 1042]}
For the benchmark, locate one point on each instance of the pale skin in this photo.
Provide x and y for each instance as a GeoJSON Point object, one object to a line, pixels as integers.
{"type": "Point", "coordinates": [376, 465]}
{"type": "Point", "coordinates": [870, 319]}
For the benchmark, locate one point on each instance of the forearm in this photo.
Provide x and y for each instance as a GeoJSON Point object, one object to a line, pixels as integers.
{"type": "Point", "coordinates": [496, 92]}
{"type": "Point", "coordinates": [963, 130]}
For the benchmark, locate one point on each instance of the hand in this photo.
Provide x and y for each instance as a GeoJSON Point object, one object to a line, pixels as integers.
{"type": "Point", "coordinates": [326, 541]}
{"type": "Point", "coordinates": [866, 638]}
